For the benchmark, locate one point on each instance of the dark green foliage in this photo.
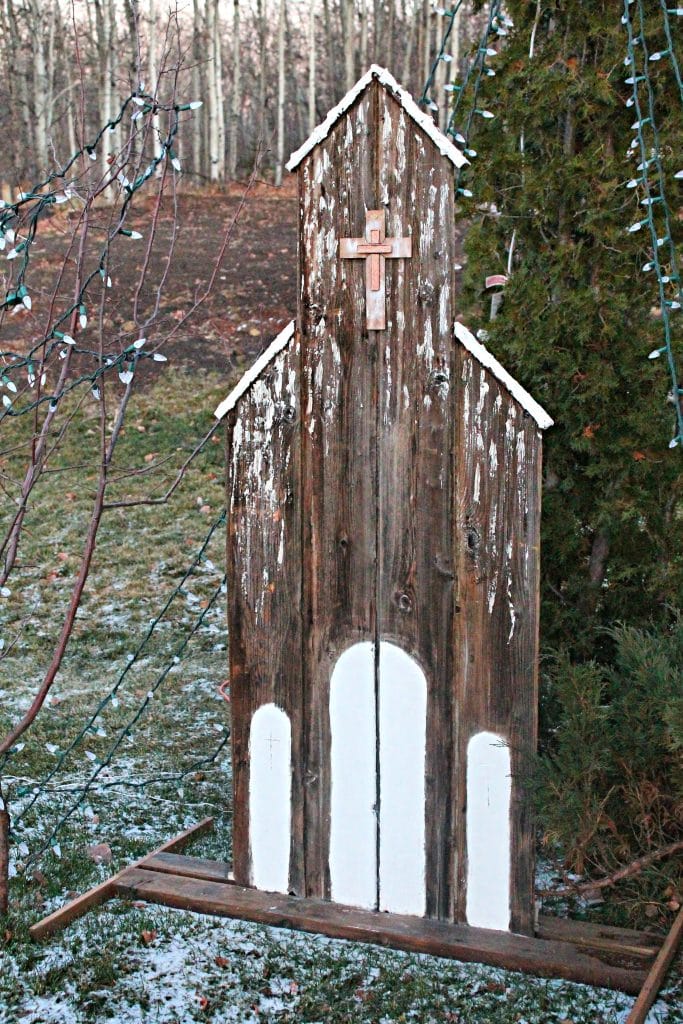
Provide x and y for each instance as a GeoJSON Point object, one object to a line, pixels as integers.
{"type": "Point", "coordinates": [579, 317]}
{"type": "Point", "coordinates": [610, 788]}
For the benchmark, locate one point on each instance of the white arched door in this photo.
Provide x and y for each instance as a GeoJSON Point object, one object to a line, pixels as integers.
{"type": "Point", "coordinates": [378, 718]}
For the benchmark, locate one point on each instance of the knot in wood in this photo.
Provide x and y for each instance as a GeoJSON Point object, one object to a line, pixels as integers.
{"type": "Point", "coordinates": [439, 381]}
{"type": "Point", "coordinates": [286, 413]}
{"type": "Point", "coordinates": [426, 293]}
{"type": "Point", "coordinates": [404, 603]}
{"type": "Point", "coordinates": [473, 540]}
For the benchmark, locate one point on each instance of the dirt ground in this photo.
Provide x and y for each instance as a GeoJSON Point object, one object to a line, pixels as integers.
{"type": "Point", "coordinates": [253, 296]}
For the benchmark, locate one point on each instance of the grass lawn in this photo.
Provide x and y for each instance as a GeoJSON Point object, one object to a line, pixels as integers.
{"type": "Point", "coordinates": [170, 768]}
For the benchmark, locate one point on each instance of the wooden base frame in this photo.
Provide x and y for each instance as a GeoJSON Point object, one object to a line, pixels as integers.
{"type": "Point", "coordinates": [614, 958]}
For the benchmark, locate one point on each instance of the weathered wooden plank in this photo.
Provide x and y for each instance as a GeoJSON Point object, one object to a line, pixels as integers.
{"type": "Point", "coordinates": [338, 444]}
{"type": "Point", "coordinates": [264, 584]}
{"type": "Point", "coordinates": [192, 867]}
{"type": "Point", "coordinates": [496, 524]}
{"type": "Point", "coordinates": [416, 453]}
{"type": "Point", "coordinates": [106, 890]}
{"type": "Point", "coordinates": [598, 936]}
{"type": "Point", "coordinates": [653, 982]}
{"type": "Point", "coordinates": [415, 934]}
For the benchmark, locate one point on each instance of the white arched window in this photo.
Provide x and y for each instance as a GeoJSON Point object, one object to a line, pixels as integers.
{"type": "Point", "coordinates": [489, 786]}
{"type": "Point", "coordinates": [270, 796]}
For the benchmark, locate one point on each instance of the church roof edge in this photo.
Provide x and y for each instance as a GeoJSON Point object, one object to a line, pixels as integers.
{"type": "Point", "coordinates": [520, 394]}
{"type": "Point", "coordinates": [385, 78]}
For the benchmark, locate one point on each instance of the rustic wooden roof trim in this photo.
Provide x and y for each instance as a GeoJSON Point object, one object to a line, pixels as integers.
{"type": "Point", "coordinates": [520, 394]}
{"type": "Point", "coordinates": [444, 145]}
{"type": "Point", "coordinates": [248, 378]}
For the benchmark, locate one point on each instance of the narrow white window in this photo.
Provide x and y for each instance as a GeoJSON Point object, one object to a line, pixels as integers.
{"type": "Point", "coordinates": [402, 736]}
{"type": "Point", "coordinates": [353, 823]}
{"type": "Point", "coordinates": [488, 832]}
{"type": "Point", "coordinates": [270, 795]}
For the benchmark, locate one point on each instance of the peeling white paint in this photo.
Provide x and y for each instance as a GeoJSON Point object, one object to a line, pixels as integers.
{"type": "Point", "coordinates": [420, 117]}
{"type": "Point", "coordinates": [270, 796]}
{"type": "Point", "coordinates": [477, 482]}
{"type": "Point", "coordinates": [489, 786]}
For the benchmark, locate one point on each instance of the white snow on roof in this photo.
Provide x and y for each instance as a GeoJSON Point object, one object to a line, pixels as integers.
{"type": "Point", "coordinates": [253, 372]}
{"type": "Point", "coordinates": [520, 394]}
{"type": "Point", "coordinates": [444, 145]}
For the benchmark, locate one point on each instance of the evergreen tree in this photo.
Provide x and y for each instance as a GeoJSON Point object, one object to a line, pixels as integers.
{"type": "Point", "coordinates": [579, 316]}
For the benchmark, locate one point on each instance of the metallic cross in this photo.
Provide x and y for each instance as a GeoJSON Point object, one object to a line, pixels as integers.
{"type": "Point", "coordinates": [375, 248]}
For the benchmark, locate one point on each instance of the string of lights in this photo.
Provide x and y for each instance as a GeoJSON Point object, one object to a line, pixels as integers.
{"type": "Point", "coordinates": [650, 188]}
{"type": "Point", "coordinates": [459, 126]}
{"type": "Point", "coordinates": [14, 218]}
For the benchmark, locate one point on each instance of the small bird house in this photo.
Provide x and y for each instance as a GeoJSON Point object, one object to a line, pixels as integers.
{"type": "Point", "coordinates": [383, 554]}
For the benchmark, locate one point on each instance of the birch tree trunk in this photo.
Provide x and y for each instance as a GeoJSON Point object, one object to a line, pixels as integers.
{"type": "Point", "coordinates": [311, 69]}
{"type": "Point", "coordinates": [347, 12]}
{"type": "Point", "coordinates": [280, 156]}
{"type": "Point", "coordinates": [236, 98]}
{"type": "Point", "coordinates": [263, 64]}
{"type": "Point", "coordinates": [426, 40]}
{"type": "Point", "coordinates": [363, 14]}
{"type": "Point", "coordinates": [198, 89]}
{"type": "Point", "coordinates": [332, 63]}
{"type": "Point", "coordinates": [215, 72]}
{"type": "Point", "coordinates": [409, 17]}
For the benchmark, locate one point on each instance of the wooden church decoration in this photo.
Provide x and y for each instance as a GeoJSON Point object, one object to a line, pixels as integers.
{"type": "Point", "coordinates": [383, 558]}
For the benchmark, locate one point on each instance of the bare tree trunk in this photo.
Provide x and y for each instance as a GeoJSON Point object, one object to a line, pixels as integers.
{"type": "Point", "coordinates": [198, 82]}
{"type": "Point", "coordinates": [409, 17]}
{"type": "Point", "coordinates": [280, 156]}
{"type": "Point", "coordinates": [378, 25]}
{"type": "Point", "coordinates": [236, 98]}
{"type": "Point", "coordinates": [311, 69]}
{"type": "Point", "coordinates": [332, 64]}
{"type": "Point", "coordinates": [216, 120]}
{"type": "Point", "coordinates": [263, 65]}
{"type": "Point", "coordinates": [347, 12]}
{"type": "Point", "coordinates": [363, 14]}
{"type": "Point", "coordinates": [426, 40]}
{"type": "Point", "coordinates": [41, 79]}
{"type": "Point", "coordinates": [390, 34]}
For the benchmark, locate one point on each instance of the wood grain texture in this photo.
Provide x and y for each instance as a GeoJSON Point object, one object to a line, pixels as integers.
{"type": "Point", "coordinates": [420, 935]}
{"type": "Point", "coordinates": [496, 535]}
{"type": "Point", "coordinates": [414, 478]}
{"type": "Point", "coordinates": [264, 583]}
{"type": "Point", "coordinates": [416, 452]}
{"type": "Point", "coordinates": [338, 443]}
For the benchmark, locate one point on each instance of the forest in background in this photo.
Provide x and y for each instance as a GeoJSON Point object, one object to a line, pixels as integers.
{"type": "Point", "coordinates": [265, 73]}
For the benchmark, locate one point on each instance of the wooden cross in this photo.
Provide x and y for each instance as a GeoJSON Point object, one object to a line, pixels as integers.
{"type": "Point", "coordinates": [374, 249]}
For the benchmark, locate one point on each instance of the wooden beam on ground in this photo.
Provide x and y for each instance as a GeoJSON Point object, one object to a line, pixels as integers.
{"type": "Point", "coordinates": [107, 889]}
{"type": "Point", "coordinates": [543, 957]}
{"type": "Point", "coordinates": [654, 980]}
{"type": "Point", "coordinates": [191, 867]}
{"type": "Point", "coordinates": [624, 943]}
